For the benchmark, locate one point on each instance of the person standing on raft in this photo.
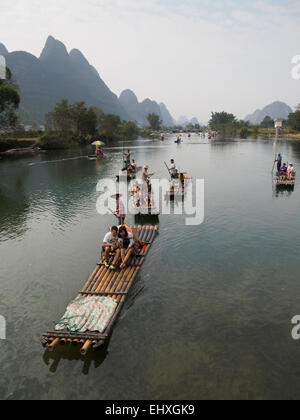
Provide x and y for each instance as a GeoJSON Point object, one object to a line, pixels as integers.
{"type": "Point", "coordinates": [279, 162]}
{"type": "Point", "coordinates": [120, 212]}
{"type": "Point", "coordinates": [128, 156]}
{"type": "Point", "coordinates": [172, 169]}
{"type": "Point", "coordinates": [146, 177]}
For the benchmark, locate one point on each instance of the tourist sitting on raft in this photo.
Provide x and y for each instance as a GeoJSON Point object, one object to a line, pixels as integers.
{"type": "Point", "coordinates": [121, 243]}
{"type": "Point", "coordinates": [180, 176]}
{"type": "Point", "coordinates": [133, 166]}
{"type": "Point", "coordinates": [176, 174]}
{"type": "Point", "coordinates": [126, 244]}
{"type": "Point", "coordinates": [129, 167]}
{"type": "Point", "coordinates": [130, 170]}
{"type": "Point", "coordinates": [283, 171]}
{"type": "Point", "coordinates": [291, 173]}
{"type": "Point", "coordinates": [99, 151]}
{"type": "Point", "coordinates": [111, 245]}
{"type": "Point", "coordinates": [137, 243]}
{"type": "Point", "coordinates": [126, 166]}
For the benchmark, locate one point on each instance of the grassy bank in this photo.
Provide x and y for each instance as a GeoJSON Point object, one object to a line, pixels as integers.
{"type": "Point", "coordinates": [271, 132]}
{"type": "Point", "coordinates": [293, 136]}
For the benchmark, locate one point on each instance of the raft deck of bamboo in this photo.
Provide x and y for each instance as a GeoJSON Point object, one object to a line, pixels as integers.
{"type": "Point", "coordinates": [104, 282]}
{"type": "Point", "coordinates": [142, 207]}
{"type": "Point", "coordinates": [287, 182]}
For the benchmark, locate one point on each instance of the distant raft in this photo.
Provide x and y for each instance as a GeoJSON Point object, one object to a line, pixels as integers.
{"type": "Point", "coordinates": [142, 200]}
{"type": "Point", "coordinates": [178, 186]}
{"type": "Point", "coordinates": [90, 318]}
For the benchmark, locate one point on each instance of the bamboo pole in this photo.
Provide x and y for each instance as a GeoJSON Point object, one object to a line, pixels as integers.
{"type": "Point", "coordinates": [129, 273]}
{"type": "Point", "coordinates": [86, 347]}
{"type": "Point", "coordinates": [112, 281]}
{"type": "Point", "coordinates": [102, 272]}
{"type": "Point", "coordinates": [91, 277]}
{"type": "Point", "coordinates": [53, 344]}
{"type": "Point", "coordinates": [105, 281]}
{"type": "Point", "coordinates": [105, 272]}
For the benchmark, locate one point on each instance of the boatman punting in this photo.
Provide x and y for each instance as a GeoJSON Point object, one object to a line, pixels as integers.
{"type": "Point", "coordinates": [279, 162]}
{"type": "Point", "coordinates": [128, 156]}
{"type": "Point", "coordinates": [146, 176]}
{"type": "Point", "coordinates": [120, 212]}
{"type": "Point", "coordinates": [178, 139]}
{"type": "Point", "coordinates": [172, 169]}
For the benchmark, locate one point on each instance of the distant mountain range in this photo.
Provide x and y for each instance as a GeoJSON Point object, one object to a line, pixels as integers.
{"type": "Point", "coordinates": [184, 121]}
{"type": "Point", "coordinates": [276, 110]}
{"type": "Point", "coordinates": [139, 111]}
{"type": "Point", "coordinates": [58, 75]}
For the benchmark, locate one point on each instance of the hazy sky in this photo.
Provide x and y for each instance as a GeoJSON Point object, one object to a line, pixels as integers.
{"type": "Point", "coordinates": [197, 56]}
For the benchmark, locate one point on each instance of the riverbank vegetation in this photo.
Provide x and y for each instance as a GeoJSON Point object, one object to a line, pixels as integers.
{"type": "Point", "coordinates": [69, 125]}
{"type": "Point", "coordinates": [228, 125]}
{"type": "Point", "coordinates": [9, 102]}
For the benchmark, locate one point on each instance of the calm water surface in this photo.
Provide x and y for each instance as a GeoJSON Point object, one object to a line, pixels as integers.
{"type": "Point", "coordinates": [210, 313]}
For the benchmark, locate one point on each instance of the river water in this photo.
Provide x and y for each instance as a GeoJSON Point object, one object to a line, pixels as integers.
{"type": "Point", "coordinates": [210, 313]}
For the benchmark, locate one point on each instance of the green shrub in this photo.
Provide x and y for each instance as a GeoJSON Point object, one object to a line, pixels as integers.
{"type": "Point", "coordinates": [54, 141]}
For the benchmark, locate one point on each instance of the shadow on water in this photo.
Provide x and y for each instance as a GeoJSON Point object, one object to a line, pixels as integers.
{"type": "Point", "coordinates": [146, 220]}
{"type": "Point", "coordinates": [71, 353]}
{"type": "Point", "coordinates": [14, 204]}
{"type": "Point", "coordinates": [285, 191]}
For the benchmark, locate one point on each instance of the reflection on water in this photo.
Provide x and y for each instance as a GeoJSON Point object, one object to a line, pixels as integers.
{"type": "Point", "coordinates": [72, 354]}
{"type": "Point", "coordinates": [284, 191]}
{"type": "Point", "coordinates": [210, 313]}
{"type": "Point", "coordinates": [14, 205]}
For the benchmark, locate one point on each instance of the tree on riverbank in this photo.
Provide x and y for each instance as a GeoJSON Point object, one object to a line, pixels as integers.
{"type": "Point", "coordinates": [294, 120]}
{"type": "Point", "coordinates": [268, 122]}
{"type": "Point", "coordinates": [71, 124]}
{"type": "Point", "coordinates": [112, 128]}
{"type": "Point", "coordinates": [73, 120]}
{"type": "Point", "coordinates": [154, 122]}
{"type": "Point", "coordinates": [223, 122]}
{"type": "Point", "coordinates": [9, 102]}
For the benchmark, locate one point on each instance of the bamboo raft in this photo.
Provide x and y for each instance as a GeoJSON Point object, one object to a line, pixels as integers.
{"type": "Point", "coordinates": [104, 282]}
{"type": "Point", "coordinates": [142, 203]}
{"type": "Point", "coordinates": [130, 176]}
{"type": "Point", "coordinates": [176, 189]}
{"type": "Point", "coordinates": [285, 182]}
